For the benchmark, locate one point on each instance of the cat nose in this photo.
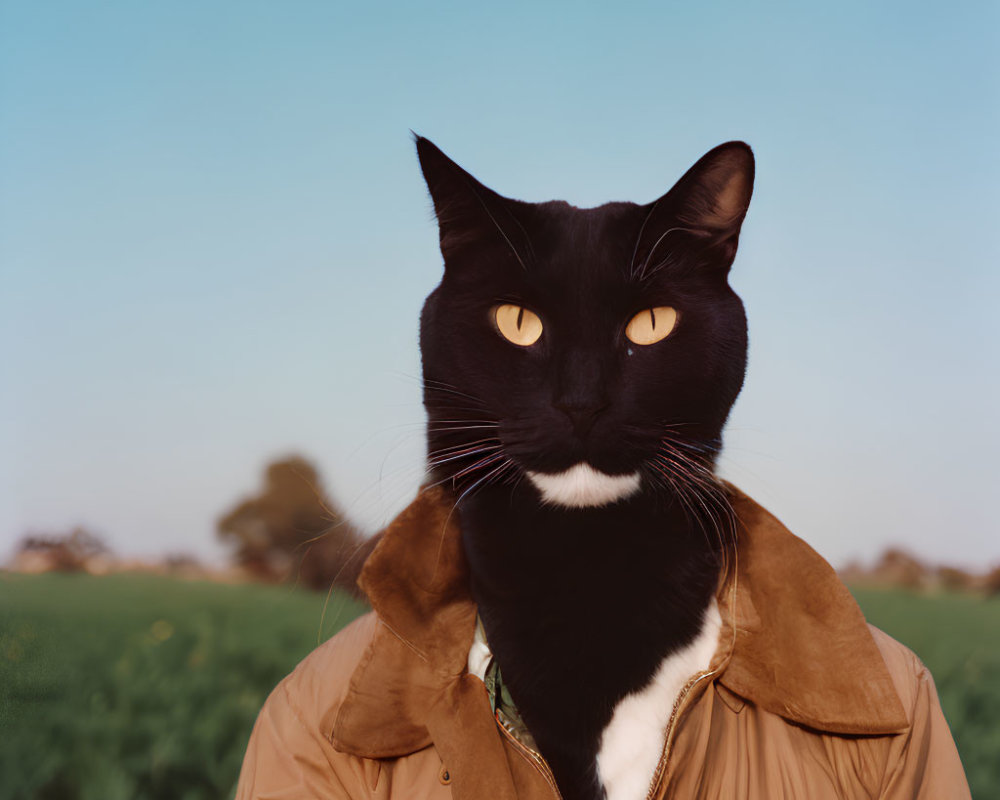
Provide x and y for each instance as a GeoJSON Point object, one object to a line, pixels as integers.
{"type": "Point", "coordinates": [581, 416]}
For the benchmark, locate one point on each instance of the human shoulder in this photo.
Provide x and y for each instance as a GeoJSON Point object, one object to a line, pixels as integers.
{"type": "Point", "coordinates": [290, 753]}
{"type": "Point", "coordinates": [909, 674]}
{"type": "Point", "coordinates": [923, 761]}
{"type": "Point", "coordinates": [318, 685]}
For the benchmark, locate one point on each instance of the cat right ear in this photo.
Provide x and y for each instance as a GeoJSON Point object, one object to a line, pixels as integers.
{"type": "Point", "coordinates": [709, 201]}
{"type": "Point", "coordinates": [470, 216]}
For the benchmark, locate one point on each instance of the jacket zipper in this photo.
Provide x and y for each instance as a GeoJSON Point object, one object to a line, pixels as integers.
{"type": "Point", "coordinates": [535, 759]}
{"type": "Point", "coordinates": [661, 767]}
{"type": "Point", "coordinates": [539, 763]}
{"type": "Point", "coordinates": [668, 742]}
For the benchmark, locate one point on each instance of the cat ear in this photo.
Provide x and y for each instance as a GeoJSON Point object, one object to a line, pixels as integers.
{"type": "Point", "coordinates": [709, 202]}
{"type": "Point", "coordinates": [470, 216]}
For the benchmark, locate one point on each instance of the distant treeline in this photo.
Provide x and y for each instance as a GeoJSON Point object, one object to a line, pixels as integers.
{"type": "Point", "coordinates": [289, 530]}
{"type": "Point", "coordinates": [900, 569]}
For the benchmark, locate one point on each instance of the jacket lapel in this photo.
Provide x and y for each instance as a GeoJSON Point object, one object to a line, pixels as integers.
{"type": "Point", "coordinates": [801, 648]}
{"type": "Point", "coordinates": [411, 688]}
{"type": "Point", "coordinates": [415, 581]}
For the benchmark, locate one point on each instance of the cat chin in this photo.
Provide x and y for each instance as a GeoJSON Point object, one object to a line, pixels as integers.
{"type": "Point", "coordinates": [582, 486]}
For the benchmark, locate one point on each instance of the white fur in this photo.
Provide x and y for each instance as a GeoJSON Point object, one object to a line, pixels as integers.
{"type": "Point", "coordinates": [633, 741]}
{"type": "Point", "coordinates": [582, 486]}
{"type": "Point", "coordinates": [479, 654]}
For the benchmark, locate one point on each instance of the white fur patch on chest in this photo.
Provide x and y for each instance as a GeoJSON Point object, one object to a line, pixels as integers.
{"type": "Point", "coordinates": [632, 742]}
{"type": "Point", "coordinates": [582, 486]}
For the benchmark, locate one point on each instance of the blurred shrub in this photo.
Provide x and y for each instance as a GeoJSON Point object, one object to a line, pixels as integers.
{"type": "Point", "coordinates": [992, 581]}
{"type": "Point", "coordinates": [896, 567]}
{"type": "Point", "coordinates": [69, 552]}
{"type": "Point", "coordinates": [954, 579]}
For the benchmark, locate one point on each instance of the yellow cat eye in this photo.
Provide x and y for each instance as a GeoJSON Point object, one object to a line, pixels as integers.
{"type": "Point", "coordinates": [518, 325]}
{"type": "Point", "coordinates": [651, 325]}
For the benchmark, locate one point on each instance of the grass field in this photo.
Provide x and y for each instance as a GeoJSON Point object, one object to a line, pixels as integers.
{"type": "Point", "coordinates": [142, 687]}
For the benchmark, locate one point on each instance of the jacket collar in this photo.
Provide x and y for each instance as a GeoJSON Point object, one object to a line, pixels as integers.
{"type": "Point", "coordinates": [793, 640]}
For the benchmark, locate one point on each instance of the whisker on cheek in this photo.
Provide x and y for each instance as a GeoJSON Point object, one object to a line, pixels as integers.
{"type": "Point", "coordinates": [465, 455]}
{"type": "Point", "coordinates": [681, 468]}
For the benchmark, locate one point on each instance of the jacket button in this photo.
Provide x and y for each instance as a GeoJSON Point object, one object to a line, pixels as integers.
{"type": "Point", "coordinates": [444, 776]}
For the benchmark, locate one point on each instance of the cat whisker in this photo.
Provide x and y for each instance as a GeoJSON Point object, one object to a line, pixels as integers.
{"type": "Point", "coordinates": [445, 428]}
{"type": "Point", "coordinates": [463, 420]}
{"type": "Point", "coordinates": [649, 256]}
{"type": "Point", "coordinates": [680, 462]}
{"type": "Point", "coordinates": [503, 233]}
{"type": "Point", "coordinates": [445, 388]}
{"type": "Point", "coordinates": [448, 458]}
{"type": "Point", "coordinates": [486, 462]}
{"type": "Point", "coordinates": [485, 440]}
{"type": "Point", "coordinates": [493, 473]}
{"type": "Point", "coordinates": [440, 462]}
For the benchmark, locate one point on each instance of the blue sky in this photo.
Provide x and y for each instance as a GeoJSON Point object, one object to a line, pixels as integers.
{"type": "Point", "coordinates": [204, 206]}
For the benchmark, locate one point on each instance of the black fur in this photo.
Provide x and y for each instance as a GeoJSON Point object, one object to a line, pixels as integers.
{"type": "Point", "coordinates": [581, 605]}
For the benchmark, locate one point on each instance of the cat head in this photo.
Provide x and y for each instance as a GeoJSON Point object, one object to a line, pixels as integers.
{"type": "Point", "coordinates": [595, 351]}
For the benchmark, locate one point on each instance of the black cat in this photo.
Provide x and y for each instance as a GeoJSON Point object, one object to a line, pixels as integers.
{"type": "Point", "coordinates": [579, 366]}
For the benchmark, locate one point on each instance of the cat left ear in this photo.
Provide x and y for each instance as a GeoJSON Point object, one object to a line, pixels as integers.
{"type": "Point", "coordinates": [709, 202]}
{"type": "Point", "coordinates": [470, 215]}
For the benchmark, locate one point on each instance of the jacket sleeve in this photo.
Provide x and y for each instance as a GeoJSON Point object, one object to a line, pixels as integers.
{"type": "Point", "coordinates": [923, 763]}
{"type": "Point", "coordinates": [286, 759]}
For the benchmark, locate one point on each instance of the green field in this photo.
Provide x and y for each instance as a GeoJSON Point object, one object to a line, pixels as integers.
{"type": "Point", "coordinates": [141, 687]}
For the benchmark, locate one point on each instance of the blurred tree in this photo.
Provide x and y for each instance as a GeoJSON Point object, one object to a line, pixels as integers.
{"type": "Point", "coordinates": [292, 529]}
{"type": "Point", "coordinates": [69, 552]}
{"type": "Point", "coordinates": [896, 567]}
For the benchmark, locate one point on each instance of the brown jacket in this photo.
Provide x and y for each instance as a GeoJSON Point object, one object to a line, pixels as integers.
{"type": "Point", "coordinates": [802, 698]}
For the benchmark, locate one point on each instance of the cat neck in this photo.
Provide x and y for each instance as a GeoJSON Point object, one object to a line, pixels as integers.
{"type": "Point", "coordinates": [581, 606]}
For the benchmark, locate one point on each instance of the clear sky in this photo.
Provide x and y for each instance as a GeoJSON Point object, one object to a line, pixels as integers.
{"type": "Point", "coordinates": [215, 242]}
